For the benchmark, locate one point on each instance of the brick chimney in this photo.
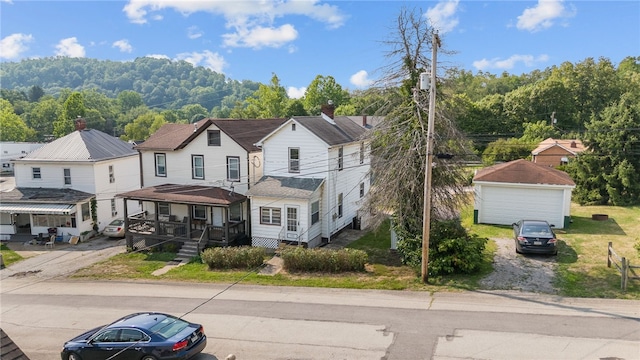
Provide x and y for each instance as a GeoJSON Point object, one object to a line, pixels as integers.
{"type": "Point", "coordinates": [573, 144]}
{"type": "Point", "coordinates": [80, 123]}
{"type": "Point", "coordinates": [328, 109]}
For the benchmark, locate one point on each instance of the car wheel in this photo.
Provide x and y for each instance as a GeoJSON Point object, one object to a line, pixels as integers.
{"type": "Point", "coordinates": [149, 357]}
{"type": "Point", "coordinates": [518, 251]}
{"type": "Point", "coordinates": [73, 356]}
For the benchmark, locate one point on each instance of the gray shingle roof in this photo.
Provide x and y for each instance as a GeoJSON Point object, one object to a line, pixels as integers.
{"type": "Point", "coordinates": [344, 130]}
{"type": "Point", "coordinates": [285, 187]}
{"type": "Point", "coordinates": [83, 145]}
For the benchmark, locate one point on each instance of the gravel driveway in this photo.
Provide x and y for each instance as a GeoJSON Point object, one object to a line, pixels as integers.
{"type": "Point", "coordinates": [531, 273]}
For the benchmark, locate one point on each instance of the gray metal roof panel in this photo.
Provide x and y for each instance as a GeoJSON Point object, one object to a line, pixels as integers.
{"type": "Point", "coordinates": [83, 145]}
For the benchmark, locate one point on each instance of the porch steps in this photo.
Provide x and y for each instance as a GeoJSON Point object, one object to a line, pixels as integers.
{"type": "Point", "coordinates": [188, 251]}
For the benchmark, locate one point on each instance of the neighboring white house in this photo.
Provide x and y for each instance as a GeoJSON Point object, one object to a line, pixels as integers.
{"type": "Point", "coordinates": [316, 174]}
{"type": "Point", "coordinates": [194, 180]}
{"type": "Point", "coordinates": [521, 189]}
{"type": "Point", "coordinates": [10, 150]}
{"type": "Point", "coordinates": [56, 184]}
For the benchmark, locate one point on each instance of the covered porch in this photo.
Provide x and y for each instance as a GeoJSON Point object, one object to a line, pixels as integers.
{"type": "Point", "coordinates": [207, 215]}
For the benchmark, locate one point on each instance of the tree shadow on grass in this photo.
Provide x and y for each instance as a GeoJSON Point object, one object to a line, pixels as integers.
{"type": "Point", "coordinates": [586, 225]}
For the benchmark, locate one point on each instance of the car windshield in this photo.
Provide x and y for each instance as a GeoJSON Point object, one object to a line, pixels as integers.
{"type": "Point", "coordinates": [117, 222]}
{"type": "Point", "coordinates": [169, 326]}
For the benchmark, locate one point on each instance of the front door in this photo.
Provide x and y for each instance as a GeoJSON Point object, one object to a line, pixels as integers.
{"type": "Point", "coordinates": [293, 223]}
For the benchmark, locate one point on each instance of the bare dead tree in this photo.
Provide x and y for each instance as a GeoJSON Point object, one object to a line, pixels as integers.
{"type": "Point", "coordinates": [399, 143]}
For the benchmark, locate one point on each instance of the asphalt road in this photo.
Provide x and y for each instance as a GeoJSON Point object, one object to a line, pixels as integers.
{"type": "Point", "coordinates": [254, 322]}
{"type": "Point", "coordinates": [41, 308]}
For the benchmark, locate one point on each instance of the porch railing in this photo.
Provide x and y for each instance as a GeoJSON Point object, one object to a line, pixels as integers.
{"type": "Point", "coordinates": [145, 226]}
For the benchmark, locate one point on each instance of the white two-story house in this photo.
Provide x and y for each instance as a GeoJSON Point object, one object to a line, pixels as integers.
{"type": "Point", "coordinates": [68, 186]}
{"type": "Point", "coordinates": [316, 174]}
{"type": "Point", "coordinates": [194, 177]}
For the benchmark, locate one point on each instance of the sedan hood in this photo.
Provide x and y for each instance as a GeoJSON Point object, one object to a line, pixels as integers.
{"type": "Point", "coordinates": [86, 335]}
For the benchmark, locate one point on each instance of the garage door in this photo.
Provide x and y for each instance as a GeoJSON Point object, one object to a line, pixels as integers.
{"type": "Point", "coordinates": [506, 205]}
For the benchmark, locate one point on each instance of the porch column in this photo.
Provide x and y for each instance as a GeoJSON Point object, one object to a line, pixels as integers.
{"type": "Point", "coordinates": [127, 234]}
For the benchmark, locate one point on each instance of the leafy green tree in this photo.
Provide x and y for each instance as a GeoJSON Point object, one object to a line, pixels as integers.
{"type": "Point", "coordinates": [503, 150]}
{"type": "Point", "coordinates": [72, 109]}
{"type": "Point", "coordinates": [35, 93]}
{"type": "Point", "coordinates": [321, 90]}
{"type": "Point", "coordinates": [295, 107]}
{"type": "Point", "coordinates": [609, 171]}
{"type": "Point", "coordinates": [268, 101]}
{"type": "Point", "coordinates": [535, 132]}
{"type": "Point", "coordinates": [42, 116]}
{"type": "Point", "coordinates": [12, 128]}
{"type": "Point", "coordinates": [128, 100]}
{"type": "Point", "coordinates": [142, 127]}
{"type": "Point", "coordinates": [192, 113]}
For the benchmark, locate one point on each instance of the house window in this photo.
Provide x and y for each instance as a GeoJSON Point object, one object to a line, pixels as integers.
{"type": "Point", "coordinates": [86, 211]}
{"type": "Point", "coordinates": [315, 212]}
{"type": "Point", "coordinates": [294, 160]}
{"type": "Point", "coordinates": [235, 212]}
{"type": "Point", "coordinates": [293, 127]}
{"type": "Point", "coordinates": [114, 210]}
{"type": "Point", "coordinates": [161, 164]}
{"type": "Point", "coordinates": [112, 177]}
{"type": "Point", "coordinates": [213, 137]}
{"type": "Point", "coordinates": [164, 209]}
{"type": "Point", "coordinates": [270, 216]}
{"type": "Point", "coordinates": [361, 190]}
{"type": "Point", "coordinates": [362, 153]}
{"type": "Point", "coordinates": [340, 205]}
{"type": "Point", "coordinates": [35, 173]}
{"type": "Point", "coordinates": [340, 157]}
{"type": "Point", "coordinates": [67, 176]}
{"type": "Point", "coordinates": [233, 168]}
{"type": "Point", "coordinates": [200, 212]}
{"type": "Point", "coordinates": [197, 166]}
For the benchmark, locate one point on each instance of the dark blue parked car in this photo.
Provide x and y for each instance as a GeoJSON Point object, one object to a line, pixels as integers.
{"type": "Point", "coordinates": [535, 236]}
{"type": "Point", "coordinates": [139, 336]}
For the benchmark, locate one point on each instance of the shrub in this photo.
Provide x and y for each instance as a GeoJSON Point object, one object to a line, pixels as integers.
{"type": "Point", "coordinates": [451, 248]}
{"type": "Point", "coordinates": [243, 257]}
{"type": "Point", "coordinates": [299, 259]}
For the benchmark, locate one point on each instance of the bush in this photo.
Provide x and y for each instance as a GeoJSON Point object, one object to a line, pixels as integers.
{"type": "Point", "coordinates": [451, 249]}
{"type": "Point", "coordinates": [299, 259]}
{"type": "Point", "coordinates": [243, 257]}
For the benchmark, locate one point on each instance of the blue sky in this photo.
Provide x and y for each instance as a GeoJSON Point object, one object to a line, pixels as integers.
{"type": "Point", "coordinates": [300, 39]}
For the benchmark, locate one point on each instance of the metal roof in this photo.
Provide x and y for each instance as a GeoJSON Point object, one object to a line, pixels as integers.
{"type": "Point", "coordinates": [57, 209]}
{"type": "Point", "coordinates": [185, 194]}
{"type": "Point", "coordinates": [87, 145]}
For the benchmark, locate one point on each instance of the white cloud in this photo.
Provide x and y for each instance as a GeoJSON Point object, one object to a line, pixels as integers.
{"type": "Point", "coordinates": [158, 56]}
{"type": "Point", "coordinates": [360, 79]}
{"type": "Point", "coordinates": [296, 93]}
{"type": "Point", "coordinates": [70, 47]}
{"type": "Point", "coordinates": [442, 16]}
{"type": "Point", "coordinates": [208, 59]}
{"type": "Point", "coordinates": [251, 22]}
{"type": "Point", "coordinates": [259, 37]}
{"type": "Point", "coordinates": [193, 32]}
{"type": "Point", "coordinates": [7, 1]}
{"type": "Point", "coordinates": [510, 63]}
{"type": "Point", "coordinates": [542, 16]}
{"type": "Point", "coordinates": [123, 45]}
{"type": "Point", "coordinates": [12, 46]}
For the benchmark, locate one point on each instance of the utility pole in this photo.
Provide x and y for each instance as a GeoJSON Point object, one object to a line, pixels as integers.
{"type": "Point", "coordinates": [426, 214]}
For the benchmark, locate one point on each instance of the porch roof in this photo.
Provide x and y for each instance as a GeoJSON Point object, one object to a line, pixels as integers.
{"type": "Point", "coordinates": [54, 209]}
{"type": "Point", "coordinates": [185, 194]}
{"type": "Point", "coordinates": [285, 187]}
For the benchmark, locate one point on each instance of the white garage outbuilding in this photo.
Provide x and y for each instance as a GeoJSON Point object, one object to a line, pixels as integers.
{"type": "Point", "coordinates": [521, 189]}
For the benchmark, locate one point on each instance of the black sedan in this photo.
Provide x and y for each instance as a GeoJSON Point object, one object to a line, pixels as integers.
{"type": "Point", "coordinates": [139, 336]}
{"type": "Point", "coordinates": [535, 236]}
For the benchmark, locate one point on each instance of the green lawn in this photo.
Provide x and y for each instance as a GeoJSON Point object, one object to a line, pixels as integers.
{"type": "Point", "coordinates": [582, 261]}
{"type": "Point", "coordinates": [9, 256]}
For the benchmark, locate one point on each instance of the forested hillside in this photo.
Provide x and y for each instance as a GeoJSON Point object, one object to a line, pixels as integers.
{"type": "Point", "coordinates": [163, 83]}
